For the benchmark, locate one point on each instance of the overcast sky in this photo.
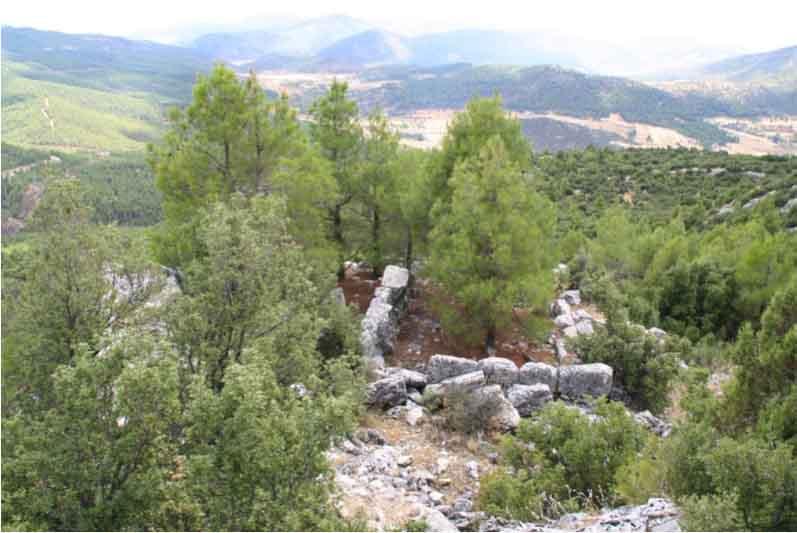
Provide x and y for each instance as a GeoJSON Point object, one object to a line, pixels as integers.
{"type": "Point", "coordinates": [749, 25]}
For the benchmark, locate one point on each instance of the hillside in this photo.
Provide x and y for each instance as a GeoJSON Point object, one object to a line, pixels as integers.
{"type": "Point", "coordinates": [91, 92]}
{"type": "Point", "coordinates": [550, 89]}
{"type": "Point", "coordinates": [778, 67]}
{"type": "Point", "coordinates": [105, 63]}
{"type": "Point", "coordinates": [63, 116]}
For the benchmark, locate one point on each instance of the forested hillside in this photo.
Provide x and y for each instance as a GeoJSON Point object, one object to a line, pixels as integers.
{"type": "Point", "coordinates": [206, 373]}
{"type": "Point", "coordinates": [554, 89]}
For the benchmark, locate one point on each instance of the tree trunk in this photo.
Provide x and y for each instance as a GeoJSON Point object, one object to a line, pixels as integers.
{"type": "Point", "coordinates": [408, 250]}
{"type": "Point", "coordinates": [375, 242]}
{"type": "Point", "coordinates": [489, 341]}
{"type": "Point", "coordinates": [337, 238]}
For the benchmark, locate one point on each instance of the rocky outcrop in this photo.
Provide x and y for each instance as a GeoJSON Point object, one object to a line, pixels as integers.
{"type": "Point", "coordinates": [576, 381]}
{"type": "Point", "coordinates": [658, 514]}
{"type": "Point", "coordinates": [380, 325]}
{"type": "Point", "coordinates": [529, 398]}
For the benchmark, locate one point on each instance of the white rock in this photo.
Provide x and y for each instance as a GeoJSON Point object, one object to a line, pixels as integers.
{"type": "Point", "coordinates": [534, 373]}
{"type": "Point", "coordinates": [436, 521]}
{"type": "Point", "coordinates": [441, 367]}
{"type": "Point", "coordinates": [404, 460]}
{"type": "Point", "coordinates": [584, 328]}
{"type": "Point", "coordinates": [388, 392]}
{"type": "Point", "coordinates": [472, 468]}
{"type": "Point", "coordinates": [564, 321]}
{"type": "Point", "coordinates": [560, 307]}
{"type": "Point", "coordinates": [570, 332]}
{"type": "Point", "coordinates": [529, 398]}
{"type": "Point", "coordinates": [395, 277]}
{"type": "Point", "coordinates": [585, 380]}
{"type": "Point", "coordinates": [499, 371]}
{"type": "Point", "coordinates": [572, 297]}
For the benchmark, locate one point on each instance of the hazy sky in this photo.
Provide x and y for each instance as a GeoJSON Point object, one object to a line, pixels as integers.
{"type": "Point", "coordinates": [756, 25]}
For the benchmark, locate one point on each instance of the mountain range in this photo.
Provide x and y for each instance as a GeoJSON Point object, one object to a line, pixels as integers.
{"type": "Point", "coordinates": [125, 81]}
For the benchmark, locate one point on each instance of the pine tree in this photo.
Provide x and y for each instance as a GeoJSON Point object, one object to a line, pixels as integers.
{"type": "Point", "coordinates": [492, 250]}
{"type": "Point", "coordinates": [336, 131]}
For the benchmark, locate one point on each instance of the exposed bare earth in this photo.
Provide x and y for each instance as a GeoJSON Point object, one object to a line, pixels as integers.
{"type": "Point", "coordinates": [760, 136]}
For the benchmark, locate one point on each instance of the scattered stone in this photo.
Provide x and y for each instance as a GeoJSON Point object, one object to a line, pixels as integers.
{"type": "Point", "coordinates": [404, 460]}
{"type": "Point", "coordinates": [726, 209]}
{"type": "Point", "coordinates": [573, 297]}
{"type": "Point", "coordinates": [436, 521]}
{"type": "Point", "coordinates": [529, 398]}
{"type": "Point", "coordinates": [564, 321]}
{"type": "Point", "coordinates": [657, 514]}
{"type": "Point", "coordinates": [472, 468]}
{"type": "Point", "coordinates": [493, 458]}
{"type": "Point", "coordinates": [371, 436]}
{"type": "Point", "coordinates": [581, 315]}
{"type": "Point", "coordinates": [505, 417]}
{"type": "Point", "coordinates": [395, 277]}
{"type": "Point", "coordinates": [584, 328]}
{"type": "Point", "coordinates": [499, 371]}
{"type": "Point", "coordinates": [594, 379]}
{"type": "Point", "coordinates": [350, 448]}
{"type": "Point", "coordinates": [657, 332]}
{"type": "Point", "coordinates": [414, 414]}
{"type": "Point", "coordinates": [560, 307]}
{"type": "Point", "coordinates": [755, 201]}
{"type": "Point", "coordinates": [299, 390]}
{"type": "Point", "coordinates": [754, 174]}
{"type": "Point", "coordinates": [441, 367]}
{"type": "Point", "coordinates": [653, 423]}
{"type": "Point", "coordinates": [788, 206]}
{"type": "Point", "coordinates": [570, 332]}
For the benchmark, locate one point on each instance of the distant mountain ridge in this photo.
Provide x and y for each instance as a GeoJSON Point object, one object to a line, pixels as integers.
{"type": "Point", "coordinates": [775, 66]}
{"type": "Point", "coordinates": [300, 40]}
{"type": "Point", "coordinates": [366, 49]}
{"type": "Point", "coordinates": [340, 42]}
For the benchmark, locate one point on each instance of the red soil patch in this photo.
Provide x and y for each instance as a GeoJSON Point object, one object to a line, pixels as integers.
{"type": "Point", "coordinates": [421, 336]}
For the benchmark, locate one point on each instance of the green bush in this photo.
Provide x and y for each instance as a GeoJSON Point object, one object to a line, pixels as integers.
{"type": "Point", "coordinates": [715, 512]}
{"type": "Point", "coordinates": [642, 477]}
{"type": "Point", "coordinates": [562, 460]}
{"type": "Point", "coordinates": [642, 365]}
